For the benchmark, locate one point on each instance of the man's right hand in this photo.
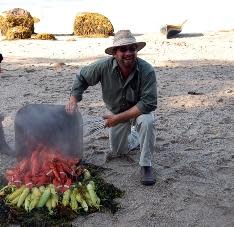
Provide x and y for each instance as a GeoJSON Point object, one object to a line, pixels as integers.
{"type": "Point", "coordinates": [71, 106]}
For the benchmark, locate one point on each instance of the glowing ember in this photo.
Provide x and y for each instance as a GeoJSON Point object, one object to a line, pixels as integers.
{"type": "Point", "coordinates": [43, 167]}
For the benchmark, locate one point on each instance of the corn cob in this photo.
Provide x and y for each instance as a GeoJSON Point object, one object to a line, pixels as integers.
{"type": "Point", "coordinates": [36, 192]}
{"type": "Point", "coordinates": [35, 197]}
{"type": "Point", "coordinates": [49, 205]}
{"type": "Point", "coordinates": [23, 196]}
{"type": "Point", "coordinates": [93, 196]}
{"type": "Point", "coordinates": [73, 202]}
{"type": "Point", "coordinates": [27, 202]}
{"type": "Point", "coordinates": [87, 174]}
{"type": "Point", "coordinates": [81, 201]}
{"type": "Point", "coordinates": [42, 188]}
{"type": "Point", "coordinates": [54, 200]}
{"type": "Point", "coordinates": [88, 199]}
{"type": "Point", "coordinates": [15, 200]}
{"type": "Point", "coordinates": [54, 196]}
{"type": "Point", "coordinates": [52, 189]}
{"type": "Point", "coordinates": [86, 196]}
{"type": "Point", "coordinates": [66, 197]}
{"type": "Point", "coordinates": [15, 194]}
{"type": "Point", "coordinates": [44, 197]}
{"type": "Point", "coordinates": [7, 187]}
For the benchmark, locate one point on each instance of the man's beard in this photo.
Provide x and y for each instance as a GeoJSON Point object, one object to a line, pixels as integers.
{"type": "Point", "coordinates": [128, 62]}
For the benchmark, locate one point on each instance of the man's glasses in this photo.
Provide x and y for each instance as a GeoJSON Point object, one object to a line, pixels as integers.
{"type": "Point", "coordinates": [127, 48]}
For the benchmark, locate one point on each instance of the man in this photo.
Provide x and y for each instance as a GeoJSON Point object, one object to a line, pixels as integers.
{"type": "Point", "coordinates": [129, 92]}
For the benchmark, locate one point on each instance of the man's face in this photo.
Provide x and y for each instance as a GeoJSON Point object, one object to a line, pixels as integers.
{"type": "Point", "coordinates": [126, 55]}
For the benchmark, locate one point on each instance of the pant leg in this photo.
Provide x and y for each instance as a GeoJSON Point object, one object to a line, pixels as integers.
{"type": "Point", "coordinates": [133, 139]}
{"type": "Point", "coordinates": [119, 138]}
{"type": "Point", "coordinates": [145, 126]}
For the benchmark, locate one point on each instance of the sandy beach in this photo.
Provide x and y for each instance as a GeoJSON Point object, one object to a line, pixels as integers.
{"type": "Point", "coordinates": [194, 154]}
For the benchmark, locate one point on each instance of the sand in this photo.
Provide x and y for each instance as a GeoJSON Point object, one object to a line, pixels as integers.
{"type": "Point", "coordinates": [194, 154]}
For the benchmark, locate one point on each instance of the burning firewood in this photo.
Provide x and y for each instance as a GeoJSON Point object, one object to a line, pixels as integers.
{"type": "Point", "coordinates": [43, 167]}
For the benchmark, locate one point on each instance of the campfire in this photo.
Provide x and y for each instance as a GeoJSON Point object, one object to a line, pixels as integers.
{"type": "Point", "coordinates": [39, 179]}
{"type": "Point", "coordinates": [50, 173]}
{"type": "Point", "coordinates": [46, 166]}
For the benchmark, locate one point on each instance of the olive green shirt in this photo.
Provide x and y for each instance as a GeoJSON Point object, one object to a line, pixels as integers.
{"type": "Point", "coordinates": [118, 94]}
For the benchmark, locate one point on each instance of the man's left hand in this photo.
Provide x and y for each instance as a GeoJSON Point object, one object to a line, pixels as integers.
{"type": "Point", "coordinates": [111, 120]}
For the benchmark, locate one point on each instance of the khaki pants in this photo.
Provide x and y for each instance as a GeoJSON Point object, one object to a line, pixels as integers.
{"type": "Point", "coordinates": [145, 127]}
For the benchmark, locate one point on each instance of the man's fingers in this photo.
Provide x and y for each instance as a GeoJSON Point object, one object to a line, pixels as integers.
{"type": "Point", "coordinates": [104, 117]}
{"type": "Point", "coordinates": [106, 124]}
{"type": "Point", "coordinates": [70, 108]}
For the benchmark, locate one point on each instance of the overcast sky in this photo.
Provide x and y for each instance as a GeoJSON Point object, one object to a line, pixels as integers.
{"type": "Point", "coordinates": [139, 16]}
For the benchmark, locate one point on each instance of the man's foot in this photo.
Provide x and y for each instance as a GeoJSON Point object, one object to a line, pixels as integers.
{"type": "Point", "coordinates": [147, 175]}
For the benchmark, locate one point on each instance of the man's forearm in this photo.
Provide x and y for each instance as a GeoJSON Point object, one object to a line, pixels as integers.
{"type": "Point", "coordinates": [79, 86]}
{"type": "Point", "coordinates": [132, 113]}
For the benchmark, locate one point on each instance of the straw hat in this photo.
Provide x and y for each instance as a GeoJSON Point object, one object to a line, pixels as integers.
{"type": "Point", "coordinates": [123, 38]}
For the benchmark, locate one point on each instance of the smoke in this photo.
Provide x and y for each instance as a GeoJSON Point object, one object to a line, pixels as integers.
{"type": "Point", "coordinates": [49, 125]}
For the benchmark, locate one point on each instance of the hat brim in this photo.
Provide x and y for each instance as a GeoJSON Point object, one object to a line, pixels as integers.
{"type": "Point", "coordinates": [110, 50]}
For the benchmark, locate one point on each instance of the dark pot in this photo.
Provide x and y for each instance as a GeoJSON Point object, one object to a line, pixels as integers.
{"type": "Point", "coordinates": [49, 125]}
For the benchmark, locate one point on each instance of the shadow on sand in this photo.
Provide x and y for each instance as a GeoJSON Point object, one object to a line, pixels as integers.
{"type": "Point", "coordinates": [187, 35]}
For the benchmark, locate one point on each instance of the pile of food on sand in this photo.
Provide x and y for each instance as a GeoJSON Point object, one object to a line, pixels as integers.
{"type": "Point", "coordinates": [46, 182]}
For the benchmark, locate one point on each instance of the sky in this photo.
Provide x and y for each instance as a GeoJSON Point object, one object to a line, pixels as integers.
{"type": "Point", "coordinates": [57, 16]}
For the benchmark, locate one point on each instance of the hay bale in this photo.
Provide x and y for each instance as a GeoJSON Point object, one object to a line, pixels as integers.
{"type": "Point", "coordinates": [18, 32]}
{"type": "Point", "coordinates": [92, 25]}
{"type": "Point", "coordinates": [16, 17]}
{"type": "Point", "coordinates": [44, 36]}
{"type": "Point", "coordinates": [36, 20]}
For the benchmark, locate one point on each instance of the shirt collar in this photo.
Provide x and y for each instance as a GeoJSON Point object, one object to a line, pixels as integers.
{"type": "Point", "coordinates": [115, 64]}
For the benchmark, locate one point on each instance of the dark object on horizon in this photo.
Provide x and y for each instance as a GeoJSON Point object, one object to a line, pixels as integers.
{"type": "Point", "coordinates": [171, 30]}
{"type": "Point", "coordinates": [49, 125]}
{"type": "Point", "coordinates": [195, 93]}
{"type": "Point", "coordinates": [1, 58]}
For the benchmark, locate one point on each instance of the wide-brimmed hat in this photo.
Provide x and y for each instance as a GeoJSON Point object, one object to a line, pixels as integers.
{"type": "Point", "coordinates": [123, 38]}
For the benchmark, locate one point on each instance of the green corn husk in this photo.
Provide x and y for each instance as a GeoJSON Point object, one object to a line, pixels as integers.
{"type": "Point", "coordinates": [66, 197]}
{"type": "Point", "coordinates": [27, 202]}
{"type": "Point", "coordinates": [15, 193]}
{"type": "Point", "coordinates": [44, 197]}
{"type": "Point", "coordinates": [35, 197]}
{"type": "Point", "coordinates": [23, 196]}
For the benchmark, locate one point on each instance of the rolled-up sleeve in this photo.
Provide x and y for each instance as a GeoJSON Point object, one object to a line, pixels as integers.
{"type": "Point", "coordinates": [148, 93]}
{"type": "Point", "coordinates": [87, 76]}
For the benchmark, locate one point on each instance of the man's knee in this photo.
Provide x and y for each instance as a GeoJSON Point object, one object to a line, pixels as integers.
{"type": "Point", "coordinates": [146, 120]}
